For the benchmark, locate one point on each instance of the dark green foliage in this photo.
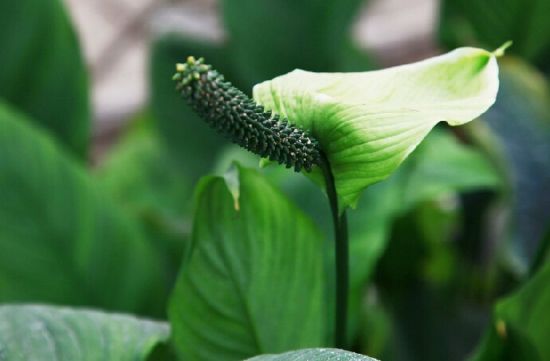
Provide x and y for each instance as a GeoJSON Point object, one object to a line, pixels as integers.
{"type": "Point", "coordinates": [246, 123]}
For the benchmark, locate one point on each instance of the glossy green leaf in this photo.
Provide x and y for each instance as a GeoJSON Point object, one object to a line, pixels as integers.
{"type": "Point", "coordinates": [46, 333]}
{"type": "Point", "coordinates": [268, 38]}
{"type": "Point", "coordinates": [314, 354]}
{"type": "Point", "coordinates": [60, 238]}
{"type": "Point", "coordinates": [521, 323]}
{"type": "Point", "coordinates": [192, 143]}
{"type": "Point", "coordinates": [254, 280]}
{"type": "Point", "coordinates": [492, 22]}
{"type": "Point", "coordinates": [368, 123]}
{"type": "Point", "coordinates": [516, 132]}
{"type": "Point", "coordinates": [42, 71]}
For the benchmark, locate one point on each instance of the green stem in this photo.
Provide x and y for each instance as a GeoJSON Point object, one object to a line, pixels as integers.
{"type": "Point", "coordinates": [341, 254]}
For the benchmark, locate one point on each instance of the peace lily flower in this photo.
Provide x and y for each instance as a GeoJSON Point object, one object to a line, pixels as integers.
{"type": "Point", "coordinates": [367, 123]}
{"type": "Point", "coordinates": [349, 129]}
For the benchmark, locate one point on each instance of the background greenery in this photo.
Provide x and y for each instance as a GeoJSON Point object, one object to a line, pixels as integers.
{"type": "Point", "coordinates": [448, 256]}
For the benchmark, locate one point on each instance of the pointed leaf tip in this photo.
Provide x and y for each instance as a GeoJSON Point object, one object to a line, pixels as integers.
{"type": "Point", "coordinates": [502, 49]}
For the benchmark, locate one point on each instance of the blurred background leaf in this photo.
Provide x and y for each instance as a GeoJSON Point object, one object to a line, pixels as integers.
{"type": "Point", "coordinates": [490, 23]}
{"type": "Point", "coordinates": [273, 37]}
{"type": "Point", "coordinates": [47, 333]}
{"type": "Point", "coordinates": [145, 180]}
{"type": "Point", "coordinates": [253, 251]}
{"type": "Point", "coordinates": [42, 71]}
{"type": "Point", "coordinates": [516, 134]}
{"type": "Point", "coordinates": [60, 238]}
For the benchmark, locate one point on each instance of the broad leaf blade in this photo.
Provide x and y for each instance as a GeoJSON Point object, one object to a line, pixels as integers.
{"type": "Point", "coordinates": [42, 71]}
{"type": "Point", "coordinates": [61, 239]}
{"type": "Point", "coordinates": [254, 280]}
{"type": "Point", "coordinates": [45, 333]}
{"type": "Point", "coordinates": [368, 123]}
{"type": "Point", "coordinates": [315, 354]}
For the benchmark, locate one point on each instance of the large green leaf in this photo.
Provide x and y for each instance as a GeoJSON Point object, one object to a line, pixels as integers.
{"type": "Point", "coordinates": [516, 131]}
{"type": "Point", "coordinates": [368, 123]}
{"type": "Point", "coordinates": [62, 241]}
{"type": "Point", "coordinates": [268, 38]}
{"type": "Point", "coordinates": [42, 71]}
{"type": "Point", "coordinates": [254, 281]}
{"type": "Point", "coordinates": [314, 354]}
{"type": "Point", "coordinates": [521, 323]}
{"type": "Point", "coordinates": [492, 22]}
{"type": "Point", "coordinates": [45, 333]}
{"type": "Point", "coordinates": [190, 140]}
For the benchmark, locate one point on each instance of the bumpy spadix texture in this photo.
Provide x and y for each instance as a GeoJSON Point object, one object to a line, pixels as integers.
{"type": "Point", "coordinates": [244, 122]}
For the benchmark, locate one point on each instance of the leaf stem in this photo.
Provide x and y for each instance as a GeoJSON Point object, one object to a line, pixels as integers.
{"type": "Point", "coordinates": [341, 255]}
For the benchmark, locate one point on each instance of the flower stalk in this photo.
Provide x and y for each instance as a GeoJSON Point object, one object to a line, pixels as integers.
{"type": "Point", "coordinates": [341, 252]}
